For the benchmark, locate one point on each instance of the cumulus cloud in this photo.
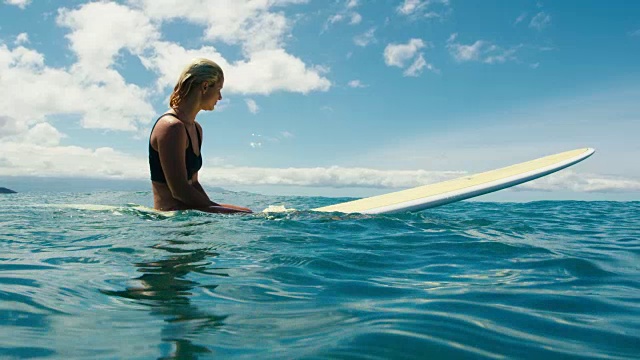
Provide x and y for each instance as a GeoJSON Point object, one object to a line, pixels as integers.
{"type": "Point", "coordinates": [356, 84]}
{"type": "Point", "coordinates": [43, 134]}
{"type": "Point", "coordinates": [22, 4]}
{"type": "Point", "coordinates": [260, 72]}
{"type": "Point", "coordinates": [572, 181]}
{"type": "Point", "coordinates": [540, 21]}
{"type": "Point", "coordinates": [29, 159]}
{"type": "Point", "coordinates": [22, 38]}
{"type": "Point", "coordinates": [416, 68]}
{"type": "Point", "coordinates": [100, 30]}
{"type": "Point", "coordinates": [334, 176]}
{"type": "Point", "coordinates": [252, 106]}
{"type": "Point", "coordinates": [424, 8]}
{"type": "Point", "coordinates": [32, 91]}
{"type": "Point", "coordinates": [344, 14]}
{"type": "Point", "coordinates": [366, 38]}
{"type": "Point", "coordinates": [399, 55]}
{"type": "Point", "coordinates": [10, 126]}
{"type": "Point", "coordinates": [263, 72]}
{"type": "Point", "coordinates": [481, 50]}
{"type": "Point", "coordinates": [251, 24]}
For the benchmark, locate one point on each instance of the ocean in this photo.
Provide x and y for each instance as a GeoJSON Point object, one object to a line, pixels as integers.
{"type": "Point", "coordinates": [550, 279]}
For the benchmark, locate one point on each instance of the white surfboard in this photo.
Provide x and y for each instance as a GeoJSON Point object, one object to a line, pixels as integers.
{"type": "Point", "coordinates": [432, 195]}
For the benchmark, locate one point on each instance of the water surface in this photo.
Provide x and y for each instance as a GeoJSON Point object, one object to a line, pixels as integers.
{"type": "Point", "coordinates": [467, 280]}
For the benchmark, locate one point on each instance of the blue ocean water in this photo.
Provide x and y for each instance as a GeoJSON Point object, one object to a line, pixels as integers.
{"type": "Point", "coordinates": [466, 280]}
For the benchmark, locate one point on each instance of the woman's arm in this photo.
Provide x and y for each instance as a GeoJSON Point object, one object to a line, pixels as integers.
{"type": "Point", "coordinates": [196, 185]}
{"type": "Point", "coordinates": [224, 208]}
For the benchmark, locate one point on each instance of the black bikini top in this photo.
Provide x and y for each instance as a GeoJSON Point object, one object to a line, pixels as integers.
{"type": "Point", "coordinates": [193, 161]}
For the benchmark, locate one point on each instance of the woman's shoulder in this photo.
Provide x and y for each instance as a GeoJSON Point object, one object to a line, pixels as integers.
{"type": "Point", "coordinates": [169, 125]}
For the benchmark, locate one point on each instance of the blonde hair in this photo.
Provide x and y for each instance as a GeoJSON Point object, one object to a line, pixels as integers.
{"type": "Point", "coordinates": [200, 70]}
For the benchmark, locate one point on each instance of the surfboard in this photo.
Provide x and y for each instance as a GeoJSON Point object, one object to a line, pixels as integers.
{"type": "Point", "coordinates": [432, 195]}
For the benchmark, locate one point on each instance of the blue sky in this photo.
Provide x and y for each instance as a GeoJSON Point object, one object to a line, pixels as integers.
{"type": "Point", "coordinates": [344, 98]}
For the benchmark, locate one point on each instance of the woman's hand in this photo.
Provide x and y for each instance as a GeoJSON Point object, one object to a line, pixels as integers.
{"type": "Point", "coordinates": [226, 209]}
{"type": "Point", "coordinates": [237, 208]}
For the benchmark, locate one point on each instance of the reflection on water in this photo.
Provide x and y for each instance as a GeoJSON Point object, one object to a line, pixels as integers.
{"type": "Point", "coordinates": [166, 290]}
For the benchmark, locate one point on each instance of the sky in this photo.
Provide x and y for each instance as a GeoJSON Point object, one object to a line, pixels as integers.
{"type": "Point", "coordinates": [329, 97]}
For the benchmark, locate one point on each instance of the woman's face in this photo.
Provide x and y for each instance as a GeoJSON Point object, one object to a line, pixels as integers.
{"type": "Point", "coordinates": [211, 95]}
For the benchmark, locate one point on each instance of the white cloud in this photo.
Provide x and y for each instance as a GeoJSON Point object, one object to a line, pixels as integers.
{"type": "Point", "coordinates": [416, 68]}
{"type": "Point", "coordinates": [262, 73]}
{"type": "Point", "coordinates": [355, 19]}
{"type": "Point", "coordinates": [248, 23]}
{"type": "Point", "coordinates": [287, 135]}
{"type": "Point", "coordinates": [520, 18]}
{"type": "Point", "coordinates": [38, 91]}
{"type": "Point", "coordinates": [21, 39]}
{"type": "Point", "coordinates": [22, 4]}
{"type": "Point", "coordinates": [498, 55]}
{"type": "Point", "coordinates": [334, 19]}
{"type": "Point", "coordinates": [540, 21]}
{"type": "Point", "coordinates": [409, 6]}
{"type": "Point", "coordinates": [356, 84]}
{"type": "Point", "coordinates": [570, 180]}
{"type": "Point", "coordinates": [252, 106]}
{"type": "Point", "coordinates": [635, 33]}
{"type": "Point", "coordinates": [347, 12]}
{"type": "Point", "coordinates": [334, 176]}
{"type": "Point", "coordinates": [100, 30]}
{"type": "Point", "coordinates": [43, 134]}
{"type": "Point", "coordinates": [424, 8]}
{"type": "Point", "coordinates": [365, 38]}
{"type": "Point", "coordinates": [398, 54]}
{"type": "Point", "coordinates": [29, 159]}
{"type": "Point", "coordinates": [10, 126]}
{"type": "Point", "coordinates": [480, 50]}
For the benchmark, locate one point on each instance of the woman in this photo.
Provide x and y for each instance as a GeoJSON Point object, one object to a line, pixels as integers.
{"type": "Point", "coordinates": [176, 140]}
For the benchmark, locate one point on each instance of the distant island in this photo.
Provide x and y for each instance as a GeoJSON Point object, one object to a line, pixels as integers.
{"type": "Point", "coordinates": [6, 191]}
